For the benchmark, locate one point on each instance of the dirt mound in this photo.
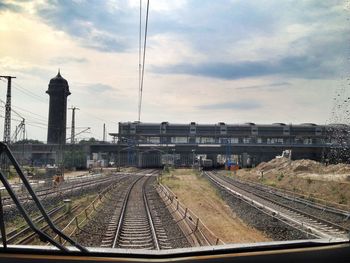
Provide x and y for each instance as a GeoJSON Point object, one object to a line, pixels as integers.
{"type": "Point", "coordinates": [301, 166]}
{"type": "Point", "coordinates": [338, 168]}
{"type": "Point", "coordinates": [274, 164]}
{"type": "Point", "coordinates": [304, 165]}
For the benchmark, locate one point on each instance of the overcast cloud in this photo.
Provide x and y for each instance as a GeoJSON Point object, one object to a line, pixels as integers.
{"type": "Point", "coordinates": [207, 61]}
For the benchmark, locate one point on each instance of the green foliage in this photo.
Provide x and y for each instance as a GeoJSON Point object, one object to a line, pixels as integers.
{"type": "Point", "coordinates": [92, 140]}
{"type": "Point", "coordinates": [166, 169]}
{"type": "Point", "coordinates": [29, 141]}
{"type": "Point", "coordinates": [74, 158]}
{"type": "Point", "coordinates": [280, 177]}
{"type": "Point", "coordinates": [269, 182]}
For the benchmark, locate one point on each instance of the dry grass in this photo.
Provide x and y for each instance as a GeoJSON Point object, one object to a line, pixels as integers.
{"type": "Point", "coordinates": [198, 195]}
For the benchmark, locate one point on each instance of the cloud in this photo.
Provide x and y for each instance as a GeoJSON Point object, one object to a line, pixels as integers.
{"type": "Point", "coordinates": [67, 60]}
{"type": "Point", "coordinates": [272, 86]}
{"type": "Point", "coordinates": [235, 105]}
{"type": "Point", "coordinates": [99, 88]}
{"type": "Point", "coordinates": [10, 7]}
{"type": "Point", "coordinates": [94, 23]}
{"type": "Point", "coordinates": [302, 67]}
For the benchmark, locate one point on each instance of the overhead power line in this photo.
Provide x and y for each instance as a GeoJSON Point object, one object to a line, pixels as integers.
{"type": "Point", "coordinates": [143, 62]}
{"type": "Point", "coordinates": [140, 52]}
{"type": "Point", "coordinates": [27, 92]}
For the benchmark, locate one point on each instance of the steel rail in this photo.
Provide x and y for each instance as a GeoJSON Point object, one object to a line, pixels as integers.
{"type": "Point", "coordinates": [287, 195]}
{"type": "Point", "coordinates": [26, 217]}
{"type": "Point", "coordinates": [315, 228]}
{"type": "Point", "coordinates": [288, 207]}
{"type": "Point", "coordinates": [150, 220]}
{"type": "Point", "coordinates": [24, 228]}
{"type": "Point", "coordinates": [29, 238]}
{"type": "Point", "coordinates": [122, 214]}
{"type": "Point", "coordinates": [4, 149]}
{"type": "Point", "coordinates": [51, 191]}
{"type": "Point", "coordinates": [259, 207]}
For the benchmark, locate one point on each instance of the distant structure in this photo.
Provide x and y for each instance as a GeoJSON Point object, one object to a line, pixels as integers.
{"type": "Point", "coordinates": [58, 91]}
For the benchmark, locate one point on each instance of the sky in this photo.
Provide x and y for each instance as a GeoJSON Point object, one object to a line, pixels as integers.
{"type": "Point", "coordinates": [232, 61]}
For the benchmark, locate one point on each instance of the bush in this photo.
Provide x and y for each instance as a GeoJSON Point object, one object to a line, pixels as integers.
{"type": "Point", "coordinates": [280, 177]}
{"type": "Point", "coordinates": [166, 169]}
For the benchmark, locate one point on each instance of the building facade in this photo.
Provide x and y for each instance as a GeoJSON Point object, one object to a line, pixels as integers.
{"type": "Point", "coordinates": [222, 133]}
{"type": "Point", "coordinates": [248, 143]}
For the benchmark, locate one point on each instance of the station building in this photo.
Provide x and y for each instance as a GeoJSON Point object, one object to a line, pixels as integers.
{"type": "Point", "coordinates": [158, 144]}
{"type": "Point", "coordinates": [248, 143]}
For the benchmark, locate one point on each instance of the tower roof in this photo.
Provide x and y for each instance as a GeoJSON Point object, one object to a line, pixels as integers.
{"type": "Point", "coordinates": [58, 80]}
{"type": "Point", "coordinates": [58, 84]}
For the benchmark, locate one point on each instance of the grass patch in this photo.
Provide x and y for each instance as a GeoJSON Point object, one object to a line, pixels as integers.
{"type": "Point", "coordinates": [196, 192]}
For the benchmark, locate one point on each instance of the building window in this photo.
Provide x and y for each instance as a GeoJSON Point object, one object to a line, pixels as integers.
{"type": "Point", "coordinates": [308, 141]}
{"type": "Point", "coordinates": [153, 139]}
{"type": "Point", "coordinates": [247, 140]}
{"type": "Point", "coordinates": [234, 140]}
{"type": "Point", "coordinates": [274, 141]}
{"type": "Point", "coordinates": [179, 139]}
{"type": "Point", "coordinates": [207, 140]}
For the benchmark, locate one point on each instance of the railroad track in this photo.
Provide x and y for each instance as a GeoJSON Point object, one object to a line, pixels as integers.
{"type": "Point", "coordinates": [24, 229]}
{"type": "Point", "coordinates": [29, 238]}
{"type": "Point", "coordinates": [301, 220]}
{"type": "Point", "coordinates": [24, 235]}
{"type": "Point", "coordinates": [43, 193]}
{"type": "Point", "coordinates": [134, 227]}
{"type": "Point", "coordinates": [329, 213]}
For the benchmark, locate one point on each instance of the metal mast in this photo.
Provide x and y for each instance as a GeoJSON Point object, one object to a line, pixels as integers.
{"type": "Point", "coordinates": [7, 123]}
{"type": "Point", "coordinates": [104, 132]}
{"type": "Point", "coordinates": [72, 138]}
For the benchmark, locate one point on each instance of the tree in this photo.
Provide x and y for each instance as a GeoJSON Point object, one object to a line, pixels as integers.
{"type": "Point", "coordinates": [29, 141]}
{"type": "Point", "coordinates": [92, 140]}
{"type": "Point", "coordinates": [75, 159]}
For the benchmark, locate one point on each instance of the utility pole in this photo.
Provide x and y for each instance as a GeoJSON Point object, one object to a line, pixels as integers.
{"type": "Point", "coordinates": [72, 138]}
{"type": "Point", "coordinates": [20, 130]}
{"type": "Point", "coordinates": [104, 132]}
{"type": "Point", "coordinates": [7, 124]}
